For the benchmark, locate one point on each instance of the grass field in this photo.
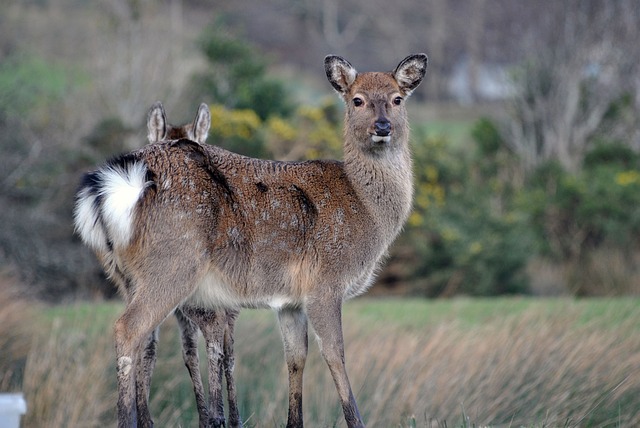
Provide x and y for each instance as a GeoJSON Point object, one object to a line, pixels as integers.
{"type": "Point", "coordinates": [462, 362]}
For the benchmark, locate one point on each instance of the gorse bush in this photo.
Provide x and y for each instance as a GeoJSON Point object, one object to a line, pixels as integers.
{"type": "Point", "coordinates": [238, 130]}
{"type": "Point", "coordinates": [577, 216]}
{"type": "Point", "coordinates": [309, 133]}
{"type": "Point", "coordinates": [586, 221]}
{"type": "Point", "coordinates": [465, 237]}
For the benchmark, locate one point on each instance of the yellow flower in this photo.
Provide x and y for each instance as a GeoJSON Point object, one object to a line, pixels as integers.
{"type": "Point", "coordinates": [450, 234]}
{"type": "Point", "coordinates": [415, 219]}
{"type": "Point", "coordinates": [475, 248]}
{"type": "Point", "coordinates": [627, 178]}
{"type": "Point", "coordinates": [314, 114]}
{"type": "Point", "coordinates": [234, 123]}
{"type": "Point", "coordinates": [281, 129]}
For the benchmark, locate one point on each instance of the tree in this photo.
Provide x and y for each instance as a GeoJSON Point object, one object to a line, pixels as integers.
{"type": "Point", "coordinates": [583, 60]}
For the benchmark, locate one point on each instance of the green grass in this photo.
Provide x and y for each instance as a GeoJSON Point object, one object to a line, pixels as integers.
{"type": "Point", "coordinates": [412, 362]}
{"type": "Point", "coordinates": [415, 314]}
{"type": "Point", "coordinates": [456, 131]}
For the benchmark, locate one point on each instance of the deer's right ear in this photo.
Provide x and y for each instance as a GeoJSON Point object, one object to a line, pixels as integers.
{"type": "Point", "coordinates": [340, 73]}
{"type": "Point", "coordinates": [156, 123]}
{"type": "Point", "coordinates": [202, 123]}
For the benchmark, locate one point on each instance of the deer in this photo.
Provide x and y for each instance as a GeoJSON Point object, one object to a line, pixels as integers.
{"type": "Point", "coordinates": [217, 326]}
{"type": "Point", "coordinates": [187, 224]}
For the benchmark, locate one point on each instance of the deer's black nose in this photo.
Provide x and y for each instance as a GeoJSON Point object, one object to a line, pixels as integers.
{"type": "Point", "coordinates": [382, 127]}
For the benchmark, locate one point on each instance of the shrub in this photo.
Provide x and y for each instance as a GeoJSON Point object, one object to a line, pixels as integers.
{"type": "Point", "coordinates": [578, 215]}
{"type": "Point", "coordinates": [237, 77]}
{"type": "Point", "coordinates": [464, 242]}
{"type": "Point", "coordinates": [238, 130]}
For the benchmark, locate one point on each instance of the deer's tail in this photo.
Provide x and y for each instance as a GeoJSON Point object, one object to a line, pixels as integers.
{"type": "Point", "coordinates": [105, 204]}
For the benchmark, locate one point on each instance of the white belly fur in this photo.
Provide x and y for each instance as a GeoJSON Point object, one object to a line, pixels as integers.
{"type": "Point", "coordinates": [214, 292]}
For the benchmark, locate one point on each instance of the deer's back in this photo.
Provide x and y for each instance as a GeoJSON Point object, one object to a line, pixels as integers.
{"type": "Point", "coordinates": [259, 223]}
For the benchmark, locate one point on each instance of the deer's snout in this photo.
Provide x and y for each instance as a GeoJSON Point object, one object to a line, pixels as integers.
{"type": "Point", "coordinates": [382, 127]}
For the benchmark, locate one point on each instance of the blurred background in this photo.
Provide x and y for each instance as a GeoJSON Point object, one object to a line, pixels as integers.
{"type": "Point", "coordinates": [526, 141]}
{"type": "Point", "coordinates": [525, 133]}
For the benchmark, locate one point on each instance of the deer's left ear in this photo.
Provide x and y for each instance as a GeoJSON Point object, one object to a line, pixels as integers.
{"type": "Point", "coordinates": [156, 123]}
{"type": "Point", "coordinates": [410, 72]}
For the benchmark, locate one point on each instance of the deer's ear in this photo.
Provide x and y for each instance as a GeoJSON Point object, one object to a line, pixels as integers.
{"type": "Point", "coordinates": [340, 73]}
{"type": "Point", "coordinates": [410, 72]}
{"type": "Point", "coordinates": [156, 123]}
{"type": "Point", "coordinates": [202, 123]}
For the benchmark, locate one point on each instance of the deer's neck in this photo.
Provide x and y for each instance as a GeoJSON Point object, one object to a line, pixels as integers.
{"type": "Point", "coordinates": [382, 177]}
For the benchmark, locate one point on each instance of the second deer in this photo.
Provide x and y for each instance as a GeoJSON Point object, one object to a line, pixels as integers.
{"type": "Point", "coordinates": [216, 325]}
{"type": "Point", "coordinates": [186, 223]}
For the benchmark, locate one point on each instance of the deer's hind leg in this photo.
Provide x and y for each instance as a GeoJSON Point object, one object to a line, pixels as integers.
{"type": "Point", "coordinates": [157, 292]}
{"type": "Point", "coordinates": [144, 370]}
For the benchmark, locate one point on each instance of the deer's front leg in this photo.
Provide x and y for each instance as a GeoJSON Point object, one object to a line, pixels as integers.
{"type": "Point", "coordinates": [325, 316]}
{"type": "Point", "coordinates": [189, 336]}
{"type": "Point", "coordinates": [235, 421]}
{"type": "Point", "coordinates": [293, 326]}
{"type": "Point", "coordinates": [212, 324]}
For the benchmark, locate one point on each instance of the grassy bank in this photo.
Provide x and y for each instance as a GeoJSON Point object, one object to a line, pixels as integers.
{"type": "Point", "coordinates": [499, 362]}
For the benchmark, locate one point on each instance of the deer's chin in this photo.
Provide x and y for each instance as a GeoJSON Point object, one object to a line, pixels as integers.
{"type": "Point", "coordinates": [381, 139]}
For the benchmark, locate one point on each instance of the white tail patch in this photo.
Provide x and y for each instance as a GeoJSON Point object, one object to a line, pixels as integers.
{"type": "Point", "coordinates": [104, 208]}
{"type": "Point", "coordinates": [121, 188]}
{"type": "Point", "coordinates": [87, 220]}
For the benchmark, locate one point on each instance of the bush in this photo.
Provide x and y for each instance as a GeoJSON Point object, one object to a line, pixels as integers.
{"type": "Point", "coordinates": [237, 77]}
{"type": "Point", "coordinates": [238, 130]}
{"type": "Point", "coordinates": [577, 216]}
{"type": "Point", "coordinates": [310, 132]}
{"type": "Point", "coordinates": [465, 244]}
{"type": "Point", "coordinates": [575, 212]}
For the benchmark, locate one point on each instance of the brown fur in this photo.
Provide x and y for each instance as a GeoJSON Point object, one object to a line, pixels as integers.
{"type": "Point", "coordinates": [216, 229]}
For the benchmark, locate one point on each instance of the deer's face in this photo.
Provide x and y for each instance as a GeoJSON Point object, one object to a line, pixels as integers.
{"type": "Point", "coordinates": [376, 115]}
{"type": "Point", "coordinates": [375, 109]}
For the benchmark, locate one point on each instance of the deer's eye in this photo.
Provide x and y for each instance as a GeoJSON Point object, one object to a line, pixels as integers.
{"type": "Point", "coordinates": [397, 101]}
{"type": "Point", "coordinates": [357, 101]}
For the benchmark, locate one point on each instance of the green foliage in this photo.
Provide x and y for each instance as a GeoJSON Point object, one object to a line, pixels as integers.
{"type": "Point", "coordinates": [237, 77]}
{"type": "Point", "coordinates": [486, 134]}
{"type": "Point", "coordinates": [29, 84]}
{"type": "Point", "coordinates": [611, 153]}
{"type": "Point", "coordinates": [466, 243]}
{"type": "Point", "coordinates": [486, 219]}
{"type": "Point", "coordinates": [238, 130]}
{"type": "Point", "coordinates": [573, 213]}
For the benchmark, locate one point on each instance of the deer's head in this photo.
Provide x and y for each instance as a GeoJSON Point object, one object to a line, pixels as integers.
{"type": "Point", "coordinates": [376, 116]}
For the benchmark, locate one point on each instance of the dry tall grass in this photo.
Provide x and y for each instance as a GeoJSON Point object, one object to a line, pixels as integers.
{"type": "Point", "coordinates": [69, 379]}
{"type": "Point", "coordinates": [539, 367]}
{"type": "Point", "coordinates": [15, 333]}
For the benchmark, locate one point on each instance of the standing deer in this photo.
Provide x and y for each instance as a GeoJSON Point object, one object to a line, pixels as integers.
{"type": "Point", "coordinates": [216, 325]}
{"type": "Point", "coordinates": [190, 224]}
